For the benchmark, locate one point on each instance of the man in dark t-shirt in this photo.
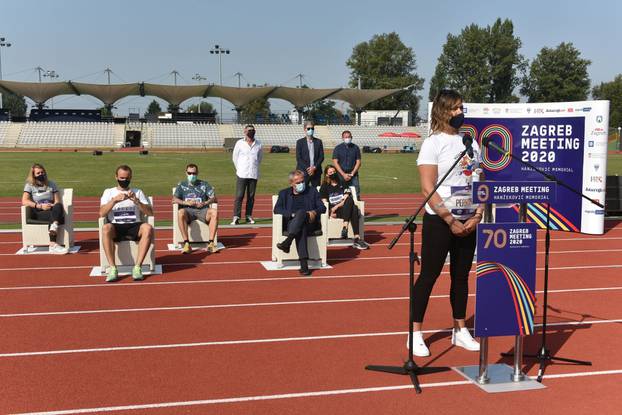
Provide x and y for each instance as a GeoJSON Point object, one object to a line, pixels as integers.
{"type": "Point", "coordinates": [347, 161]}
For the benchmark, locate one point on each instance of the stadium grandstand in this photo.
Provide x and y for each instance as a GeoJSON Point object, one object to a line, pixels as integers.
{"type": "Point", "coordinates": [84, 128]}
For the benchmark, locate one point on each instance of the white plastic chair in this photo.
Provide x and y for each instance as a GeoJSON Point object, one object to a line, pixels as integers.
{"type": "Point", "coordinates": [317, 243]}
{"type": "Point", "coordinates": [35, 233]}
{"type": "Point", "coordinates": [126, 252]}
{"type": "Point", "coordinates": [336, 224]}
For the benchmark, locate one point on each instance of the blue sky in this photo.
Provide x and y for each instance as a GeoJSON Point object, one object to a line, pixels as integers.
{"type": "Point", "coordinates": [272, 41]}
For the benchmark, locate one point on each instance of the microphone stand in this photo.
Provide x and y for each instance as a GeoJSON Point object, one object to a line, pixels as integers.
{"type": "Point", "coordinates": [544, 355]}
{"type": "Point", "coordinates": [410, 368]}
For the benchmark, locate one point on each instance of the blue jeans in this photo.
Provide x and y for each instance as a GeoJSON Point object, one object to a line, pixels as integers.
{"type": "Point", "coordinates": [354, 181]}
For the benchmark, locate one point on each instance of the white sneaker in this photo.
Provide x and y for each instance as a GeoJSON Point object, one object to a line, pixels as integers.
{"type": "Point", "coordinates": [58, 250]}
{"type": "Point", "coordinates": [250, 220]}
{"type": "Point", "coordinates": [419, 347]}
{"type": "Point", "coordinates": [462, 338]}
{"type": "Point", "coordinates": [236, 220]}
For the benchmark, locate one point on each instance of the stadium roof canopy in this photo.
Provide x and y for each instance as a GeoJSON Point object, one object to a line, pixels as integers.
{"type": "Point", "coordinates": [40, 92]}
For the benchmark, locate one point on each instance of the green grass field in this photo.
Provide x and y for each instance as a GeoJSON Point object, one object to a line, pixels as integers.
{"type": "Point", "coordinates": [157, 173]}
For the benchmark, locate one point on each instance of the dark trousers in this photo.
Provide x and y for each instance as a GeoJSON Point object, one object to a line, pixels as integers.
{"type": "Point", "coordinates": [298, 228]}
{"type": "Point", "coordinates": [314, 180]}
{"type": "Point", "coordinates": [437, 241]}
{"type": "Point", "coordinates": [242, 186]}
{"type": "Point", "coordinates": [349, 212]}
{"type": "Point", "coordinates": [56, 214]}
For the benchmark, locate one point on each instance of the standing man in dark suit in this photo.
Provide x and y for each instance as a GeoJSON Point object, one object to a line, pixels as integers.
{"type": "Point", "coordinates": [301, 208]}
{"type": "Point", "coordinates": [310, 155]}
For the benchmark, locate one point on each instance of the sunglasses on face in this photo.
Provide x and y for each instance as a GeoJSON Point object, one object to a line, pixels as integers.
{"type": "Point", "coordinates": [459, 107]}
{"type": "Point", "coordinates": [310, 128]}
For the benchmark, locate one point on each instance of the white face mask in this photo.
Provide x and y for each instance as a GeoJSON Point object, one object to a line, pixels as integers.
{"type": "Point", "coordinates": [347, 140]}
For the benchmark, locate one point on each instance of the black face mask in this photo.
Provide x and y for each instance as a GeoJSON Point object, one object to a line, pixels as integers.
{"type": "Point", "coordinates": [40, 178]}
{"type": "Point", "coordinates": [457, 120]}
{"type": "Point", "coordinates": [333, 176]}
{"type": "Point", "coordinates": [124, 183]}
{"type": "Point", "coordinates": [250, 133]}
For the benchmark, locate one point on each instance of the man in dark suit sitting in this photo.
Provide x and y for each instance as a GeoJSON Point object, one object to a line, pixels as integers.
{"type": "Point", "coordinates": [301, 208]}
{"type": "Point", "coordinates": [310, 155]}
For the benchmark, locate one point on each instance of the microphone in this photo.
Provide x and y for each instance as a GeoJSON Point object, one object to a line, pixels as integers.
{"type": "Point", "coordinates": [467, 140]}
{"type": "Point", "coordinates": [488, 143]}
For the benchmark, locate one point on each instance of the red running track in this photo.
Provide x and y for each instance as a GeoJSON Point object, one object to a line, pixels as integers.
{"type": "Point", "coordinates": [219, 334]}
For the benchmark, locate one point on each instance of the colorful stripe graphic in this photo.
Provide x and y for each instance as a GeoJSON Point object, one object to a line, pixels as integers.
{"type": "Point", "coordinates": [506, 144]}
{"type": "Point", "coordinates": [536, 213]}
{"type": "Point", "coordinates": [470, 130]}
{"type": "Point", "coordinates": [524, 298]}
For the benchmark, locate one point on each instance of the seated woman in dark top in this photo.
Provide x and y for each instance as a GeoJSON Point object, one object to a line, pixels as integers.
{"type": "Point", "coordinates": [41, 195]}
{"type": "Point", "coordinates": [341, 205]}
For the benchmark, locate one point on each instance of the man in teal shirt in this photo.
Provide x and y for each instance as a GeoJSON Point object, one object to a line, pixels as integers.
{"type": "Point", "coordinates": [194, 197]}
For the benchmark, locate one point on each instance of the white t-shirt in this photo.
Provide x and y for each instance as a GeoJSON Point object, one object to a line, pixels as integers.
{"type": "Point", "coordinates": [442, 149]}
{"type": "Point", "coordinates": [125, 211]}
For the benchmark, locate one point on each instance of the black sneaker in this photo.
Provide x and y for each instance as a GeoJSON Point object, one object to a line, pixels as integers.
{"type": "Point", "coordinates": [283, 247]}
{"type": "Point", "coordinates": [360, 244]}
{"type": "Point", "coordinates": [344, 233]}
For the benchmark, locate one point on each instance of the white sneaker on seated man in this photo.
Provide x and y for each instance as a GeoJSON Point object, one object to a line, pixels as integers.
{"type": "Point", "coordinates": [124, 237]}
{"type": "Point", "coordinates": [195, 213]}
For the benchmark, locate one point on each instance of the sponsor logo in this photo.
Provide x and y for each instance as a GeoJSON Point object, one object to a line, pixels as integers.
{"type": "Point", "coordinates": [483, 193]}
{"type": "Point", "coordinates": [599, 119]}
{"type": "Point", "coordinates": [590, 143]}
{"type": "Point", "coordinates": [496, 110]}
{"type": "Point", "coordinates": [600, 212]}
{"type": "Point", "coordinates": [596, 179]}
{"type": "Point", "coordinates": [594, 190]}
{"type": "Point", "coordinates": [570, 109]}
{"type": "Point", "coordinates": [598, 155]}
{"type": "Point", "coordinates": [596, 166]}
{"type": "Point", "coordinates": [486, 110]}
{"type": "Point", "coordinates": [465, 110]}
{"type": "Point", "coordinates": [528, 110]}
{"type": "Point", "coordinates": [538, 111]}
{"type": "Point", "coordinates": [587, 109]}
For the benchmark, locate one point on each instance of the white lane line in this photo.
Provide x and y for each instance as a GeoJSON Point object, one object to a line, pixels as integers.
{"type": "Point", "coordinates": [333, 392]}
{"type": "Point", "coordinates": [267, 304]}
{"type": "Point", "coordinates": [185, 264]}
{"type": "Point", "coordinates": [214, 281]}
{"type": "Point", "coordinates": [271, 340]}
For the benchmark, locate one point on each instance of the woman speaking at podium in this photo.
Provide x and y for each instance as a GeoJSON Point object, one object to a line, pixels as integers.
{"type": "Point", "coordinates": [450, 220]}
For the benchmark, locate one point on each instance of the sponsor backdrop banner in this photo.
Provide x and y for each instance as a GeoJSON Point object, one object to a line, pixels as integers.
{"type": "Point", "coordinates": [565, 139]}
{"type": "Point", "coordinates": [506, 279]}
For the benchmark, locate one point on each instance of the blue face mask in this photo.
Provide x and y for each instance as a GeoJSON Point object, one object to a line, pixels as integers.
{"type": "Point", "coordinates": [310, 132]}
{"type": "Point", "coordinates": [300, 187]}
{"type": "Point", "coordinates": [192, 178]}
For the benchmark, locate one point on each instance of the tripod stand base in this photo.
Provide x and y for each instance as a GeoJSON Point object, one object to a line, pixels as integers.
{"type": "Point", "coordinates": [411, 369]}
{"type": "Point", "coordinates": [500, 379]}
{"type": "Point", "coordinates": [544, 356]}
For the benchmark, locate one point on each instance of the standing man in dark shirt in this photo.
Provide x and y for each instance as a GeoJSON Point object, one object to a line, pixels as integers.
{"type": "Point", "coordinates": [310, 155]}
{"type": "Point", "coordinates": [347, 161]}
{"type": "Point", "coordinates": [301, 208]}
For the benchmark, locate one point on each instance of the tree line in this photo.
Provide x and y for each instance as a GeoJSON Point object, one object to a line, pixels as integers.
{"type": "Point", "coordinates": [484, 64]}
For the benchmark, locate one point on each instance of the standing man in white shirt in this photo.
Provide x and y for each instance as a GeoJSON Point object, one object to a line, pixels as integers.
{"type": "Point", "coordinates": [247, 155]}
{"type": "Point", "coordinates": [122, 206]}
